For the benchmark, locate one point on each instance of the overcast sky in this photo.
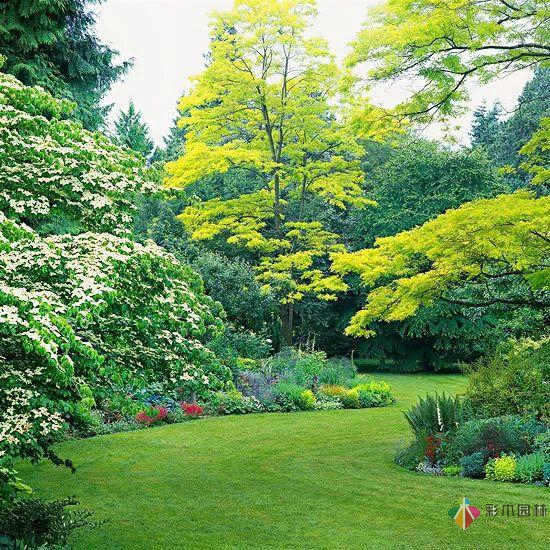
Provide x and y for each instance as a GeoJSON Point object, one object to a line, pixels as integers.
{"type": "Point", "coordinates": [168, 38]}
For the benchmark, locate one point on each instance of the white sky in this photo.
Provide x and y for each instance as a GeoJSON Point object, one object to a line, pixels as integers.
{"type": "Point", "coordinates": [167, 39]}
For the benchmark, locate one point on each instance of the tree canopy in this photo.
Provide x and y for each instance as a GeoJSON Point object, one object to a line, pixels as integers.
{"type": "Point", "coordinates": [268, 103]}
{"type": "Point", "coordinates": [439, 46]}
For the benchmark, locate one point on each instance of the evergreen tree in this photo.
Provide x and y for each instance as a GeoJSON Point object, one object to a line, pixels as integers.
{"type": "Point", "coordinates": [51, 43]}
{"type": "Point", "coordinates": [132, 132]}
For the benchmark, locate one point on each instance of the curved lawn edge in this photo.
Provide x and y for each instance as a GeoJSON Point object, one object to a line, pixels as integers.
{"type": "Point", "coordinates": [322, 479]}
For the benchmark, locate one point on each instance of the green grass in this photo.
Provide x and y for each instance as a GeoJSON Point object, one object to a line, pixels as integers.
{"type": "Point", "coordinates": [300, 480]}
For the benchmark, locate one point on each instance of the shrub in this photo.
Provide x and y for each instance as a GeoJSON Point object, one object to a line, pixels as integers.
{"type": "Point", "coordinates": [502, 468]}
{"type": "Point", "coordinates": [452, 471]}
{"type": "Point", "coordinates": [256, 383]}
{"type": "Point", "coordinates": [124, 425]}
{"type": "Point", "coordinates": [513, 380]}
{"type": "Point", "coordinates": [427, 467]}
{"type": "Point", "coordinates": [292, 397]}
{"type": "Point", "coordinates": [233, 402]}
{"type": "Point", "coordinates": [473, 465]}
{"type": "Point", "coordinates": [434, 415]}
{"type": "Point", "coordinates": [530, 468]}
{"type": "Point", "coordinates": [337, 371]}
{"type": "Point", "coordinates": [38, 523]}
{"type": "Point", "coordinates": [542, 443]}
{"type": "Point", "coordinates": [374, 394]}
{"type": "Point", "coordinates": [546, 473]}
{"type": "Point", "coordinates": [350, 399]}
{"type": "Point", "coordinates": [494, 436]}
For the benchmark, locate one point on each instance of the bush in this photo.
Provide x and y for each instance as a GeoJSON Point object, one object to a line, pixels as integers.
{"type": "Point", "coordinates": [191, 409]}
{"type": "Point", "coordinates": [350, 399]}
{"type": "Point", "coordinates": [292, 397]}
{"type": "Point", "coordinates": [473, 465]}
{"type": "Point", "coordinates": [502, 468]}
{"type": "Point", "coordinates": [513, 380]}
{"type": "Point", "coordinates": [233, 402]}
{"type": "Point", "coordinates": [374, 394]}
{"type": "Point", "coordinates": [437, 414]}
{"type": "Point", "coordinates": [154, 415]}
{"type": "Point", "coordinates": [452, 471]}
{"type": "Point", "coordinates": [36, 522]}
{"type": "Point", "coordinates": [530, 468]}
{"type": "Point", "coordinates": [542, 443]}
{"type": "Point", "coordinates": [494, 436]}
{"type": "Point", "coordinates": [333, 391]}
{"type": "Point", "coordinates": [311, 369]}
{"type": "Point", "coordinates": [546, 473]}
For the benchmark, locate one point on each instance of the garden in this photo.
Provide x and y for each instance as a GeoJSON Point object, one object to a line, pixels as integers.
{"type": "Point", "coordinates": [295, 320]}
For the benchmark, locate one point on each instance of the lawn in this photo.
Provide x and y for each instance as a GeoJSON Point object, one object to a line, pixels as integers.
{"type": "Point", "coordinates": [300, 480]}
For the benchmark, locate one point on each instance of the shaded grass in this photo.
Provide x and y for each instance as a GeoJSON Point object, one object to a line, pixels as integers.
{"type": "Point", "coordinates": [300, 480]}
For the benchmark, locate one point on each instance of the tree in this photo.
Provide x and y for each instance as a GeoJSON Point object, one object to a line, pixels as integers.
{"type": "Point", "coordinates": [132, 132]}
{"type": "Point", "coordinates": [498, 248]}
{"type": "Point", "coordinates": [268, 103]}
{"type": "Point", "coordinates": [440, 46]}
{"type": "Point", "coordinates": [86, 313]}
{"type": "Point", "coordinates": [51, 44]}
{"type": "Point", "coordinates": [504, 139]}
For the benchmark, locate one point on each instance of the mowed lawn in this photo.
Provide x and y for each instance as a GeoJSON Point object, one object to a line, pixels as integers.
{"type": "Point", "coordinates": [300, 480]}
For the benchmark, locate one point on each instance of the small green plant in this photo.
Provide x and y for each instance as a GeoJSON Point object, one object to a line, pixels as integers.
{"type": "Point", "coordinates": [530, 468]}
{"type": "Point", "coordinates": [452, 471]}
{"type": "Point", "coordinates": [410, 455]}
{"type": "Point", "coordinates": [502, 468]}
{"type": "Point", "coordinates": [308, 400]}
{"type": "Point", "coordinates": [34, 522]}
{"type": "Point", "coordinates": [350, 399]}
{"type": "Point", "coordinates": [436, 414]}
{"type": "Point", "coordinates": [374, 394]}
{"type": "Point", "coordinates": [328, 405]}
{"type": "Point", "coordinates": [292, 397]}
{"type": "Point", "coordinates": [473, 465]}
{"type": "Point", "coordinates": [542, 443]}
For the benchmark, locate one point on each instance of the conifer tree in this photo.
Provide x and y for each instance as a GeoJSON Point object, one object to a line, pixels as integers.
{"type": "Point", "coordinates": [132, 132]}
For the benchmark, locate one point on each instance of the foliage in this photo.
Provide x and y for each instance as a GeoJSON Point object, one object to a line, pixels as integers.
{"type": "Point", "coordinates": [493, 436]}
{"type": "Point", "coordinates": [529, 468]}
{"type": "Point", "coordinates": [51, 44]}
{"type": "Point", "coordinates": [350, 399]}
{"type": "Point", "coordinates": [281, 123]}
{"type": "Point", "coordinates": [374, 394]}
{"type": "Point", "coordinates": [435, 415]}
{"type": "Point", "coordinates": [328, 405]}
{"type": "Point", "coordinates": [502, 468]}
{"type": "Point", "coordinates": [57, 177]}
{"type": "Point", "coordinates": [83, 316]}
{"type": "Point", "coordinates": [542, 443]}
{"type": "Point", "coordinates": [410, 455]}
{"type": "Point", "coordinates": [441, 46]}
{"type": "Point", "coordinates": [513, 380]}
{"type": "Point", "coordinates": [36, 523]}
{"type": "Point", "coordinates": [452, 471]}
{"type": "Point", "coordinates": [233, 402]}
{"type": "Point", "coordinates": [504, 261]}
{"type": "Point", "coordinates": [292, 397]}
{"type": "Point", "coordinates": [473, 465]}
{"type": "Point", "coordinates": [130, 131]}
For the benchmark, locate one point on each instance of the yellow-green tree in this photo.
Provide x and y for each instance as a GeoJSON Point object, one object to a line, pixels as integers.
{"type": "Point", "coordinates": [268, 102]}
{"type": "Point", "coordinates": [498, 248]}
{"type": "Point", "coordinates": [442, 44]}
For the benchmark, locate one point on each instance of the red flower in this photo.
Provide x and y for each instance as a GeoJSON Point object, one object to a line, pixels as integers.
{"type": "Point", "coordinates": [144, 418]}
{"type": "Point", "coordinates": [191, 409]}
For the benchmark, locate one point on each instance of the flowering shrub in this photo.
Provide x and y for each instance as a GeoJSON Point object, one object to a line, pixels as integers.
{"type": "Point", "coordinates": [192, 409]}
{"type": "Point", "coordinates": [154, 415]}
{"type": "Point", "coordinates": [53, 171]}
{"type": "Point", "coordinates": [83, 315]}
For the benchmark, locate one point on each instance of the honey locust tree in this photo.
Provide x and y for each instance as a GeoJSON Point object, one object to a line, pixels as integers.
{"type": "Point", "coordinates": [268, 102]}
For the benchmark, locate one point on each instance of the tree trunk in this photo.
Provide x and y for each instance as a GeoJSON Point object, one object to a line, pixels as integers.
{"type": "Point", "coordinates": [287, 324]}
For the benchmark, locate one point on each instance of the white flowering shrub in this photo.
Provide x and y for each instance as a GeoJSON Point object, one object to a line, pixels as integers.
{"type": "Point", "coordinates": [86, 315]}
{"type": "Point", "coordinates": [54, 171]}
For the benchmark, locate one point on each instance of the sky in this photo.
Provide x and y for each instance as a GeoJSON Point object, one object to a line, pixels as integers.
{"type": "Point", "coordinates": [167, 40]}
